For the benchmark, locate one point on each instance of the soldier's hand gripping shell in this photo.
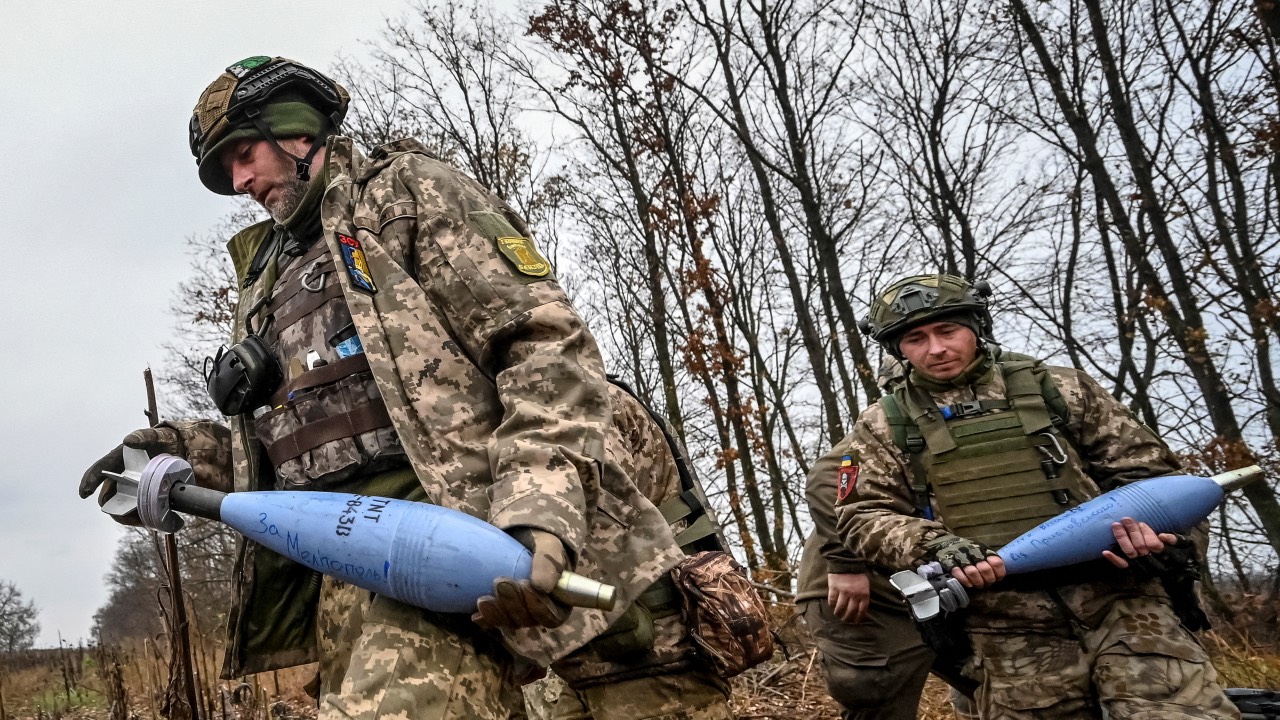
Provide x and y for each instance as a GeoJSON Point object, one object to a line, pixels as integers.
{"type": "Point", "coordinates": [970, 562]}
{"type": "Point", "coordinates": [528, 603]}
{"type": "Point", "coordinates": [204, 444]}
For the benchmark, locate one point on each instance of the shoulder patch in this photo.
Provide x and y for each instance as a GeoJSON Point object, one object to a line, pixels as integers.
{"type": "Point", "coordinates": [356, 263]}
{"type": "Point", "coordinates": [512, 245]}
{"type": "Point", "coordinates": [847, 480]}
{"type": "Point", "coordinates": [521, 252]}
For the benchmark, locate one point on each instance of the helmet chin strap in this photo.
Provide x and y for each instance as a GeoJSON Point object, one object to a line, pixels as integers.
{"type": "Point", "coordinates": [302, 164]}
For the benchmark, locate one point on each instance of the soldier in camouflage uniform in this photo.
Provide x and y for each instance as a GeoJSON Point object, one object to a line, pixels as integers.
{"type": "Point", "coordinates": [422, 350]}
{"type": "Point", "coordinates": [975, 448]}
{"type": "Point", "coordinates": [874, 660]}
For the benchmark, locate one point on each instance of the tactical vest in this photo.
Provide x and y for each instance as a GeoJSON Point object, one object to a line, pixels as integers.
{"type": "Point", "coordinates": [994, 468]}
{"type": "Point", "coordinates": [327, 422]}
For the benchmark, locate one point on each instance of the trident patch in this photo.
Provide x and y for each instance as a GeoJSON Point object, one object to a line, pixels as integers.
{"type": "Point", "coordinates": [521, 252]}
{"type": "Point", "coordinates": [357, 265]}
{"type": "Point", "coordinates": [848, 479]}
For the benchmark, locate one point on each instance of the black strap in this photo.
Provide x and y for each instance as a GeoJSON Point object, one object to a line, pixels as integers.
{"type": "Point", "coordinates": [301, 164]}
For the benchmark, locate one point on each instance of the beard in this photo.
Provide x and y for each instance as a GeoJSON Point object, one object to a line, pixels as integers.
{"type": "Point", "coordinates": [288, 197]}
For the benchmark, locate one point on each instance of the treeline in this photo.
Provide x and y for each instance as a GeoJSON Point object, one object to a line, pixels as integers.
{"type": "Point", "coordinates": [724, 185]}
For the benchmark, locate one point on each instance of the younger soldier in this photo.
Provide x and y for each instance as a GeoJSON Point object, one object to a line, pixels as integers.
{"type": "Point", "coordinates": [873, 658]}
{"type": "Point", "coordinates": [975, 448]}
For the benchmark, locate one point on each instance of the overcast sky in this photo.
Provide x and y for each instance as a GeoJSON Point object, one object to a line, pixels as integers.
{"type": "Point", "coordinates": [97, 194]}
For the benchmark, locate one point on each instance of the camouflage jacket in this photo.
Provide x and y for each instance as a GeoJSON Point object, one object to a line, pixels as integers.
{"type": "Point", "coordinates": [878, 520]}
{"type": "Point", "coordinates": [492, 381]}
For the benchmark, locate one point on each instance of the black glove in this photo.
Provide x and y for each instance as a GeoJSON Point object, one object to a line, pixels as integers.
{"type": "Point", "coordinates": [204, 444]}
{"type": "Point", "coordinates": [1178, 569]}
{"type": "Point", "coordinates": [1178, 561]}
{"type": "Point", "coordinates": [528, 603]}
{"type": "Point", "coordinates": [953, 551]}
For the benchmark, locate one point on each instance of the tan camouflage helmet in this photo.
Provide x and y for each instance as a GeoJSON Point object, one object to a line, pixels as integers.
{"type": "Point", "coordinates": [921, 299]}
{"type": "Point", "coordinates": [268, 97]}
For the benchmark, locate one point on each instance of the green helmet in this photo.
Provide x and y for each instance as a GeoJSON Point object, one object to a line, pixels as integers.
{"type": "Point", "coordinates": [923, 299]}
{"type": "Point", "coordinates": [263, 97]}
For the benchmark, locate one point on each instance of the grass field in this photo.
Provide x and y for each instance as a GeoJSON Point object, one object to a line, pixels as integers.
{"type": "Point", "coordinates": [122, 683]}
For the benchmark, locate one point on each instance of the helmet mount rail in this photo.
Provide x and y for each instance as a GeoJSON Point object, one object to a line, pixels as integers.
{"type": "Point", "coordinates": [922, 299]}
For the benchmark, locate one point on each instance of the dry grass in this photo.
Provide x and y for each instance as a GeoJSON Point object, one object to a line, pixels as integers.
{"type": "Point", "coordinates": [35, 684]}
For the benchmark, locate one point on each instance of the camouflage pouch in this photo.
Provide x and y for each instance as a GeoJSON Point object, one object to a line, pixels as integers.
{"type": "Point", "coordinates": [726, 617]}
{"type": "Point", "coordinates": [326, 434]}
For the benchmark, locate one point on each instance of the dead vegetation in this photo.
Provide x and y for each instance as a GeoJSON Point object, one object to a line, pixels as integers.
{"type": "Point", "coordinates": [127, 682]}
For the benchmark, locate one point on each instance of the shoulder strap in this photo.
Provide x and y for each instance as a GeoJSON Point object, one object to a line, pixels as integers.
{"type": "Point", "coordinates": [248, 247]}
{"type": "Point", "coordinates": [1023, 388]}
{"type": "Point", "coordinates": [908, 438]}
{"type": "Point", "coordinates": [1031, 377]}
{"type": "Point", "coordinates": [905, 433]}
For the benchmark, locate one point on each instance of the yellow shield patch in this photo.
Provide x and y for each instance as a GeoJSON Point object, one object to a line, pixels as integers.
{"type": "Point", "coordinates": [521, 252]}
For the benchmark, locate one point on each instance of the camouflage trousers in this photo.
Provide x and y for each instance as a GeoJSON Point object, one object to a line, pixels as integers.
{"type": "Point", "coordinates": [677, 696]}
{"type": "Point", "coordinates": [339, 617]}
{"type": "Point", "coordinates": [411, 663]}
{"type": "Point", "coordinates": [1136, 663]}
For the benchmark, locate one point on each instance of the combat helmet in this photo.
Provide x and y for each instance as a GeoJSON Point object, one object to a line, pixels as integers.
{"type": "Point", "coordinates": [267, 97]}
{"type": "Point", "coordinates": [920, 299]}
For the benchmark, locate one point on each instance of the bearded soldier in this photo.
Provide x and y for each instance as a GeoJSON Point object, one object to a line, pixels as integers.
{"type": "Point", "coordinates": [399, 334]}
{"type": "Point", "coordinates": [975, 447]}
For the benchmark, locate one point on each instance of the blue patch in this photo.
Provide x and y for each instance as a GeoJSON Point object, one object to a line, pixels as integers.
{"type": "Point", "coordinates": [357, 266]}
{"type": "Point", "coordinates": [350, 346]}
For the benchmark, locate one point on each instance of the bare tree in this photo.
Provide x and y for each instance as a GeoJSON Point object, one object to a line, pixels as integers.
{"type": "Point", "coordinates": [18, 624]}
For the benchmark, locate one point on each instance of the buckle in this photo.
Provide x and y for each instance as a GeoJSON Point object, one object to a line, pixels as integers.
{"type": "Point", "coordinates": [961, 409]}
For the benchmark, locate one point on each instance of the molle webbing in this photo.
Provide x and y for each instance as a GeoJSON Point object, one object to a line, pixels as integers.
{"type": "Point", "coordinates": [314, 266]}
{"type": "Point", "coordinates": [350, 424]}
{"type": "Point", "coordinates": [284, 292]}
{"type": "Point", "coordinates": [322, 375]}
{"type": "Point", "coordinates": [331, 291]}
{"type": "Point", "coordinates": [999, 481]}
{"type": "Point", "coordinates": [995, 467]}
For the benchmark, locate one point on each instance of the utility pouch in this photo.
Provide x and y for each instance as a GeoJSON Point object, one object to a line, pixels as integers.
{"type": "Point", "coordinates": [242, 377]}
{"type": "Point", "coordinates": [330, 425]}
{"type": "Point", "coordinates": [629, 637]}
{"type": "Point", "coordinates": [725, 615]}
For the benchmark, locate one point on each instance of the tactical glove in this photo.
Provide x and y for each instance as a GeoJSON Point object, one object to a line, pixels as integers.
{"type": "Point", "coordinates": [1178, 561]}
{"type": "Point", "coordinates": [204, 444]}
{"type": "Point", "coordinates": [953, 551]}
{"type": "Point", "coordinates": [528, 603]}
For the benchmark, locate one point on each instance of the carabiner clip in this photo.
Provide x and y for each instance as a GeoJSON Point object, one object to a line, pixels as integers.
{"type": "Point", "coordinates": [1061, 457]}
{"type": "Point", "coordinates": [309, 274]}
